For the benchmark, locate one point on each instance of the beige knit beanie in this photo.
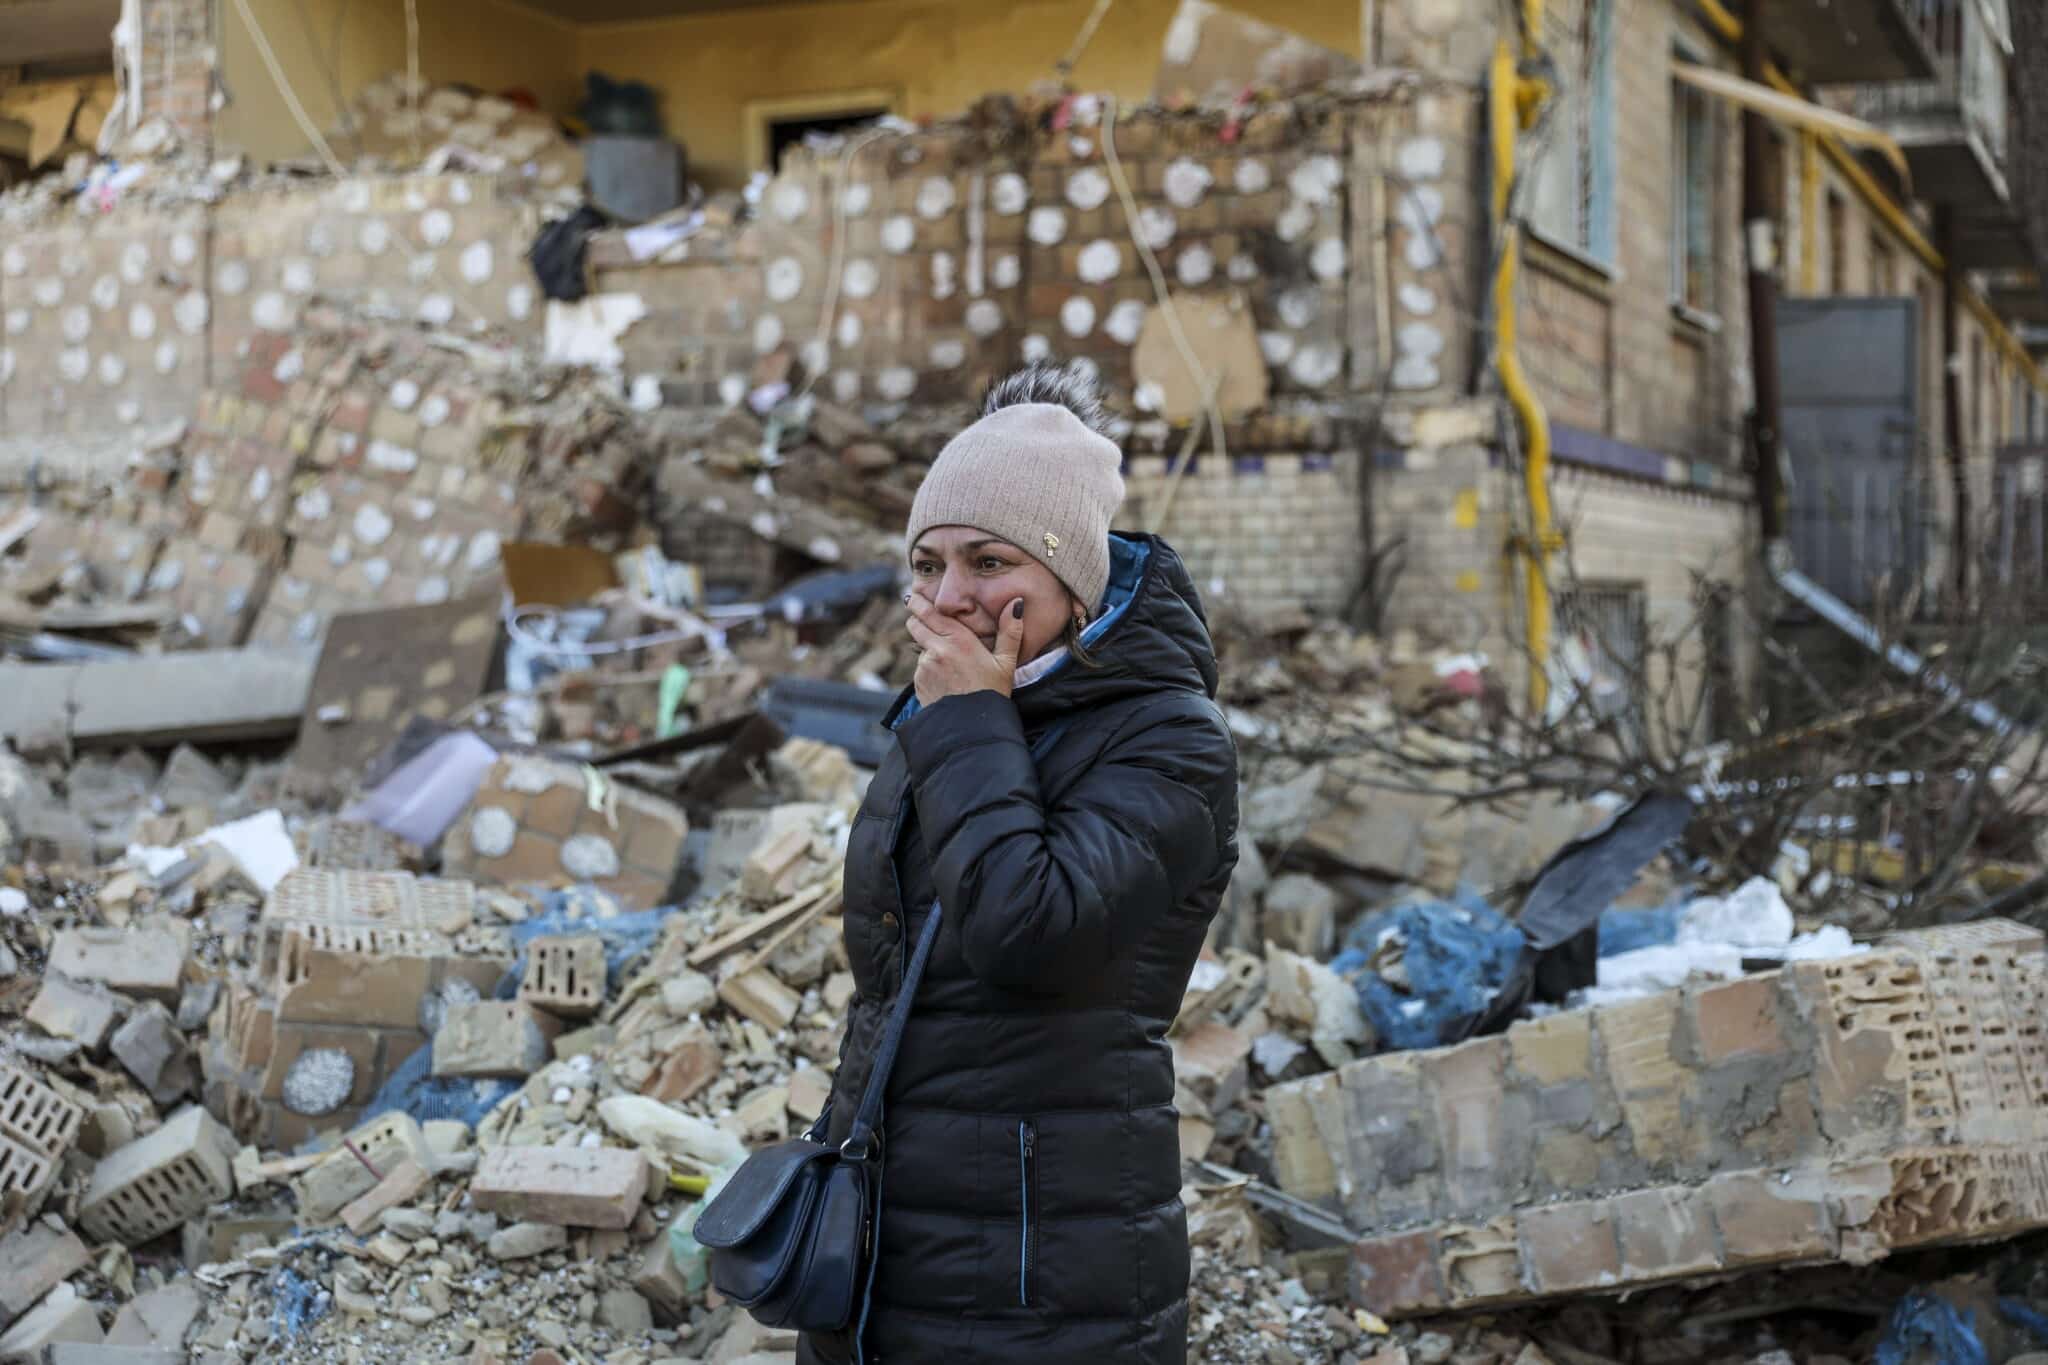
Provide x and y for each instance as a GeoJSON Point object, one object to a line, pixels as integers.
{"type": "Point", "coordinates": [1036, 475]}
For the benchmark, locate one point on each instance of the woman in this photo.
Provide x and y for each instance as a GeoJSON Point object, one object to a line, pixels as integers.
{"type": "Point", "coordinates": [1063, 784]}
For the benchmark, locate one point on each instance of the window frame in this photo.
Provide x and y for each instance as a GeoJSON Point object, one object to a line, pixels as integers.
{"type": "Point", "coordinates": [1585, 116]}
{"type": "Point", "coordinates": [1686, 102]}
{"type": "Point", "coordinates": [760, 116]}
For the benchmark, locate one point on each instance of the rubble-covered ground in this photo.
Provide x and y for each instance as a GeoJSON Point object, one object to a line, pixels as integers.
{"type": "Point", "coordinates": [386, 972]}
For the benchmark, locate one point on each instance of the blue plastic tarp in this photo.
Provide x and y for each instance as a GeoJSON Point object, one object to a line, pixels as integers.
{"type": "Point", "coordinates": [586, 910]}
{"type": "Point", "coordinates": [1624, 931]}
{"type": "Point", "coordinates": [1456, 956]}
{"type": "Point", "coordinates": [1926, 1330]}
{"type": "Point", "coordinates": [414, 1089]}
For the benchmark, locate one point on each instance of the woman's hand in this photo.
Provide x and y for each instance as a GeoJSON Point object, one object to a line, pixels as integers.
{"type": "Point", "coordinates": [952, 661]}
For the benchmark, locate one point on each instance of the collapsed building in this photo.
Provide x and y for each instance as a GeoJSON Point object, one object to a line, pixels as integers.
{"type": "Point", "coordinates": [569, 590]}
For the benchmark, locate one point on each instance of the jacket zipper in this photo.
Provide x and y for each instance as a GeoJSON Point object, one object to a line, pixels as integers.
{"type": "Point", "coordinates": [1027, 1249]}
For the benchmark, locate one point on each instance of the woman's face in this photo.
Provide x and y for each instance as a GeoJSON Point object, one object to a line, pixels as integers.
{"type": "Point", "coordinates": [972, 577]}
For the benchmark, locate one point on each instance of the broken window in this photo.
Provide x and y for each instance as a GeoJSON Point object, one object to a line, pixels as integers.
{"type": "Point", "coordinates": [792, 132]}
{"type": "Point", "coordinates": [774, 126]}
{"type": "Point", "coordinates": [1692, 196]}
{"type": "Point", "coordinates": [1605, 631]}
{"type": "Point", "coordinates": [1573, 200]}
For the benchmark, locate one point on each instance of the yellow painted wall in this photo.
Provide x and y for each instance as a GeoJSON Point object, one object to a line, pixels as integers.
{"type": "Point", "coordinates": [939, 56]}
{"type": "Point", "coordinates": [483, 42]}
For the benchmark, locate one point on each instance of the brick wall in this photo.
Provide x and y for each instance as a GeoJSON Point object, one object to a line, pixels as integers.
{"type": "Point", "coordinates": [177, 65]}
{"type": "Point", "coordinates": [1457, 507]}
{"type": "Point", "coordinates": [1832, 1110]}
{"type": "Point", "coordinates": [110, 327]}
{"type": "Point", "coordinates": [1259, 532]}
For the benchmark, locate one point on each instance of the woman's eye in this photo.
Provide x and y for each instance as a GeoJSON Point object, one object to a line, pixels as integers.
{"type": "Point", "coordinates": [993, 565]}
{"type": "Point", "coordinates": [924, 570]}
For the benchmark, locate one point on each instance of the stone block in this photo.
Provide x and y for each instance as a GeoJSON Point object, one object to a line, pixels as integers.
{"type": "Point", "coordinates": [86, 1353]}
{"type": "Point", "coordinates": [771, 871]}
{"type": "Point", "coordinates": [211, 1239]}
{"type": "Point", "coordinates": [1665, 1233]}
{"type": "Point", "coordinates": [345, 1175]}
{"type": "Point", "coordinates": [156, 1182]}
{"type": "Point", "coordinates": [79, 1013]}
{"type": "Point", "coordinates": [659, 1281]}
{"type": "Point", "coordinates": [62, 1316]}
{"type": "Point", "coordinates": [581, 1187]}
{"type": "Point", "coordinates": [1481, 1155]}
{"type": "Point", "coordinates": [152, 1048]}
{"type": "Point", "coordinates": [493, 1038]}
{"type": "Point", "coordinates": [159, 1318]}
{"type": "Point", "coordinates": [762, 997]}
{"type": "Point", "coordinates": [1397, 1275]}
{"type": "Point", "coordinates": [401, 1184]}
{"type": "Point", "coordinates": [34, 1260]}
{"type": "Point", "coordinates": [148, 963]}
{"type": "Point", "coordinates": [1766, 1216]}
{"type": "Point", "coordinates": [1301, 916]}
{"type": "Point", "coordinates": [1554, 1050]}
{"type": "Point", "coordinates": [1571, 1248]}
{"type": "Point", "coordinates": [689, 1067]}
{"type": "Point", "coordinates": [1653, 1087]}
{"type": "Point", "coordinates": [523, 1240]}
{"type": "Point", "coordinates": [1737, 1019]}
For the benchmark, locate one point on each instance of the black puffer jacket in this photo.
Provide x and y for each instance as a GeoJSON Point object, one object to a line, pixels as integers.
{"type": "Point", "coordinates": [1031, 1206]}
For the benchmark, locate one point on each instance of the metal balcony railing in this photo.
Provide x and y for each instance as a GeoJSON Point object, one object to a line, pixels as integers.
{"type": "Point", "coordinates": [1972, 46]}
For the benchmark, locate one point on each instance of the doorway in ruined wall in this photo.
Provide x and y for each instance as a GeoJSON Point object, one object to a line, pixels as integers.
{"type": "Point", "coordinates": [775, 126]}
{"type": "Point", "coordinates": [1857, 490]}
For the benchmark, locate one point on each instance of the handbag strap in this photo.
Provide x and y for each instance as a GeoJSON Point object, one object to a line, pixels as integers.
{"type": "Point", "coordinates": [860, 1137]}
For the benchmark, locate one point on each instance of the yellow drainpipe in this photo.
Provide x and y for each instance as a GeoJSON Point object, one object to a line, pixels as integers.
{"type": "Point", "coordinates": [1809, 213]}
{"type": "Point", "coordinates": [1513, 101]}
{"type": "Point", "coordinates": [1893, 217]}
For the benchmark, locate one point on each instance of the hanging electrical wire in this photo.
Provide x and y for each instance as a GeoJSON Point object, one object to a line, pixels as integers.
{"type": "Point", "coordinates": [284, 88]}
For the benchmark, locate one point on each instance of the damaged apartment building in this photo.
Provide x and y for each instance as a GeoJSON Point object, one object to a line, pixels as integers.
{"type": "Point", "coordinates": [337, 335]}
{"type": "Point", "coordinates": [1331, 258]}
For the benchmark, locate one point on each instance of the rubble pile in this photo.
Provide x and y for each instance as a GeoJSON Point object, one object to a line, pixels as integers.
{"type": "Point", "coordinates": [428, 771]}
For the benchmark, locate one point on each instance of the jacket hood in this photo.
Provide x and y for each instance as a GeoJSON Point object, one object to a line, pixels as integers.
{"type": "Point", "coordinates": [1152, 635]}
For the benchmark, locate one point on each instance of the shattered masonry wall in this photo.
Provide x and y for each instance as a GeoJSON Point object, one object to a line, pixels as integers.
{"type": "Point", "coordinates": [447, 250]}
{"type": "Point", "coordinates": [1831, 1110]}
{"type": "Point", "coordinates": [114, 324]}
{"type": "Point", "coordinates": [1338, 226]}
{"type": "Point", "coordinates": [348, 960]}
{"type": "Point", "coordinates": [959, 263]}
{"type": "Point", "coordinates": [103, 331]}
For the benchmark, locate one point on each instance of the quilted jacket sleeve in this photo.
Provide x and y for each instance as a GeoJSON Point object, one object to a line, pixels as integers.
{"type": "Point", "coordinates": [1041, 894]}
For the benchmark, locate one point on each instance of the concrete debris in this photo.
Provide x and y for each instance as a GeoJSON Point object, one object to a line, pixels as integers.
{"type": "Point", "coordinates": [418, 1041]}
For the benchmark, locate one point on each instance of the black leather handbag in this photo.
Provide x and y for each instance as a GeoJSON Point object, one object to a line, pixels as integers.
{"type": "Point", "coordinates": [792, 1235]}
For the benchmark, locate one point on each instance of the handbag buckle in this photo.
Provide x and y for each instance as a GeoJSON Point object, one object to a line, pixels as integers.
{"type": "Point", "coordinates": [868, 1145]}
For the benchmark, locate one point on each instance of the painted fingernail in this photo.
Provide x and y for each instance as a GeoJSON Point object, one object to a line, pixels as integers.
{"type": "Point", "coordinates": [1017, 609]}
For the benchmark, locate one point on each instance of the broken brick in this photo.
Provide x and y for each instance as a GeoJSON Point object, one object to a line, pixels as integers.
{"type": "Point", "coordinates": [155, 1183]}
{"type": "Point", "coordinates": [149, 963]}
{"type": "Point", "coordinates": [34, 1260]}
{"type": "Point", "coordinates": [565, 975]}
{"type": "Point", "coordinates": [493, 1038]}
{"type": "Point", "coordinates": [585, 1187]}
{"type": "Point", "coordinates": [761, 997]}
{"type": "Point", "coordinates": [64, 1010]}
{"type": "Point", "coordinates": [401, 1184]}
